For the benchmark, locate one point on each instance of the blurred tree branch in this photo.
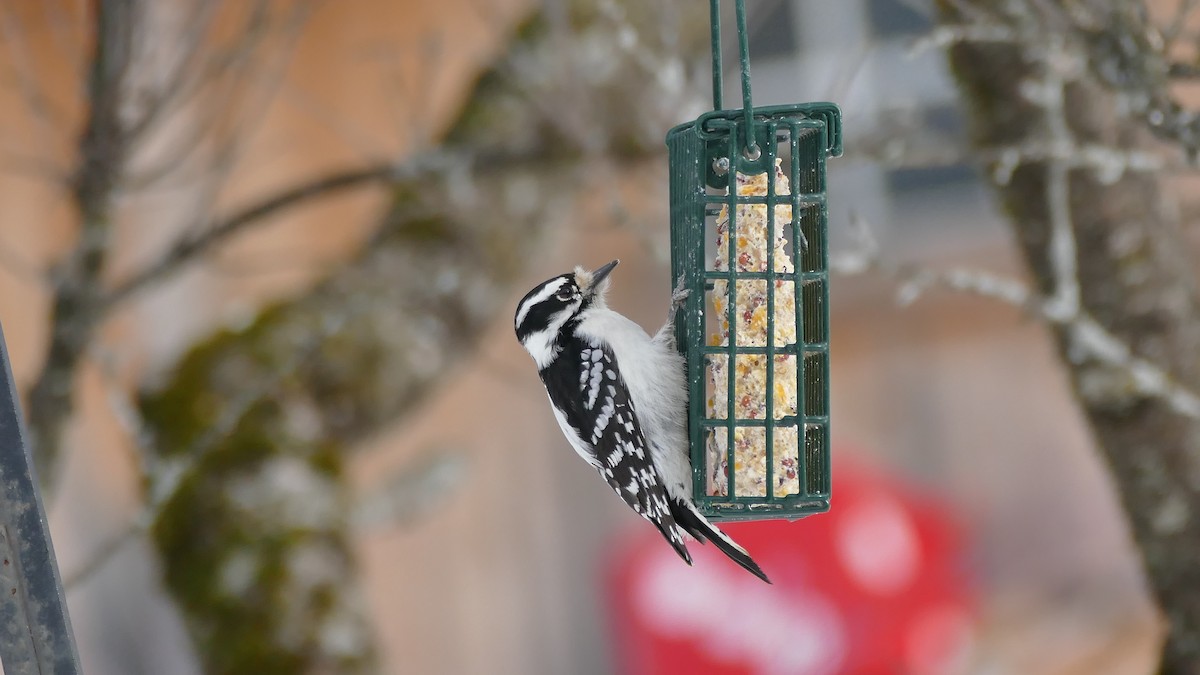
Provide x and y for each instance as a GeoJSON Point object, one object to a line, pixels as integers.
{"type": "Point", "coordinates": [103, 152]}
{"type": "Point", "coordinates": [129, 94]}
{"type": "Point", "coordinates": [1107, 257]}
{"type": "Point", "coordinates": [205, 237]}
{"type": "Point", "coordinates": [1093, 340]}
{"type": "Point", "coordinates": [395, 334]}
{"type": "Point", "coordinates": [246, 439]}
{"type": "Point", "coordinates": [244, 443]}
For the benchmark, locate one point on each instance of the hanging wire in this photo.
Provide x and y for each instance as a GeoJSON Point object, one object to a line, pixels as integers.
{"type": "Point", "coordinates": [752, 151]}
{"type": "Point", "coordinates": [714, 10]}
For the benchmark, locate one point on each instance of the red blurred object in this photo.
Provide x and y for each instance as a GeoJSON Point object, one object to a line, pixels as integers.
{"type": "Point", "coordinates": [875, 586]}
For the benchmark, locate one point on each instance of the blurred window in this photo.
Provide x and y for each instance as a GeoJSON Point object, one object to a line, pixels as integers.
{"type": "Point", "coordinates": [946, 121]}
{"type": "Point", "coordinates": [894, 18]}
{"type": "Point", "coordinates": [771, 29]}
{"type": "Point", "coordinates": [901, 181]}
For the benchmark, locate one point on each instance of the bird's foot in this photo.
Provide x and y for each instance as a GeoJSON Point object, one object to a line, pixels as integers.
{"type": "Point", "coordinates": [678, 297]}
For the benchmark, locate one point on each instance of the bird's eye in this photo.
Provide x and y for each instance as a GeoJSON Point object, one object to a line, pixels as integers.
{"type": "Point", "coordinates": [565, 295]}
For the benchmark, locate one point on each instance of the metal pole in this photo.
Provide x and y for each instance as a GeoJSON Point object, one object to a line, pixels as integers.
{"type": "Point", "coordinates": [35, 631]}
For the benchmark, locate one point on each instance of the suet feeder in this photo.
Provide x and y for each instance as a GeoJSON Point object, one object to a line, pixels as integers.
{"type": "Point", "coordinates": [749, 226]}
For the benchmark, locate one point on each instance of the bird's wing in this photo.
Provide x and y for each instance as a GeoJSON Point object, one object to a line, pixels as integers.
{"type": "Point", "coordinates": [615, 441]}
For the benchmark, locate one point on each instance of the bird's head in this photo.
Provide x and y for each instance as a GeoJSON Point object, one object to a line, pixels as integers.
{"type": "Point", "coordinates": [544, 311]}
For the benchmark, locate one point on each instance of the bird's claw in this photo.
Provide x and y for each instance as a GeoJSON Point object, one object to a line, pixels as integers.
{"type": "Point", "coordinates": [678, 296]}
{"type": "Point", "coordinates": [680, 293]}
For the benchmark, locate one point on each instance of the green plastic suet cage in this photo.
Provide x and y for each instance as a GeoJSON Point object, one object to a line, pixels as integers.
{"type": "Point", "coordinates": [749, 226]}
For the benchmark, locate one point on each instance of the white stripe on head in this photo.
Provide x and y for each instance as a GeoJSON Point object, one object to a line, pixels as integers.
{"type": "Point", "coordinates": [541, 345]}
{"type": "Point", "coordinates": [548, 290]}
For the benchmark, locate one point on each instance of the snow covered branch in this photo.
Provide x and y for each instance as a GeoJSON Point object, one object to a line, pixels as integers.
{"type": "Point", "coordinates": [1108, 261]}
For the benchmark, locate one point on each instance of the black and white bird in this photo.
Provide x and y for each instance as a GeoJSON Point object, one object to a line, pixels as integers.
{"type": "Point", "coordinates": [620, 397]}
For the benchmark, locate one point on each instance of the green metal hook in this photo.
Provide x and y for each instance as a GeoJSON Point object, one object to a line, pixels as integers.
{"type": "Point", "coordinates": [752, 150]}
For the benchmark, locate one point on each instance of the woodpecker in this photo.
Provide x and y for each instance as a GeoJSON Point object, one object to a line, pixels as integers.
{"type": "Point", "coordinates": [620, 397]}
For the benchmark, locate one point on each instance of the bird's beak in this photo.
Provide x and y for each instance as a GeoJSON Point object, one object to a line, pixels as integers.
{"type": "Point", "coordinates": [600, 273]}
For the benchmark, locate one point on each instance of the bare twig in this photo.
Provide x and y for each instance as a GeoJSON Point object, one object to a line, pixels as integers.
{"type": "Point", "coordinates": [40, 110]}
{"type": "Point", "coordinates": [239, 123]}
{"type": "Point", "coordinates": [209, 237]}
{"type": "Point", "coordinates": [901, 139]}
{"type": "Point", "coordinates": [225, 77]}
{"type": "Point", "coordinates": [1090, 337]}
{"type": "Point", "coordinates": [185, 73]}
{"type": "Point", "coordinates": [1178, 22]}
{"type": "Point", "coordinates": [363, 142]}
{"type": "Point", "coordinates": [1064, 303]}
{"type": "Point", "coordinates": [946, 35]}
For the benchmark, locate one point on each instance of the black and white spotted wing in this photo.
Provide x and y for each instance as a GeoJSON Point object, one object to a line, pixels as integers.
{"type": "Point", "coordinates": [585, 384]}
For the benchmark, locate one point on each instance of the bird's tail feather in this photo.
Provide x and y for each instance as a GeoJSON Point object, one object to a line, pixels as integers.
{"type": "Point", "coordinates": [699, 527]}
{"type": "Point", "coordinates": [671, 531]}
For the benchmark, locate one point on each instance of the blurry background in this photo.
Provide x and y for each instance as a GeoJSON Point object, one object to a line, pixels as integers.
{"type": "Point", "coordinates": [257, 267]}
